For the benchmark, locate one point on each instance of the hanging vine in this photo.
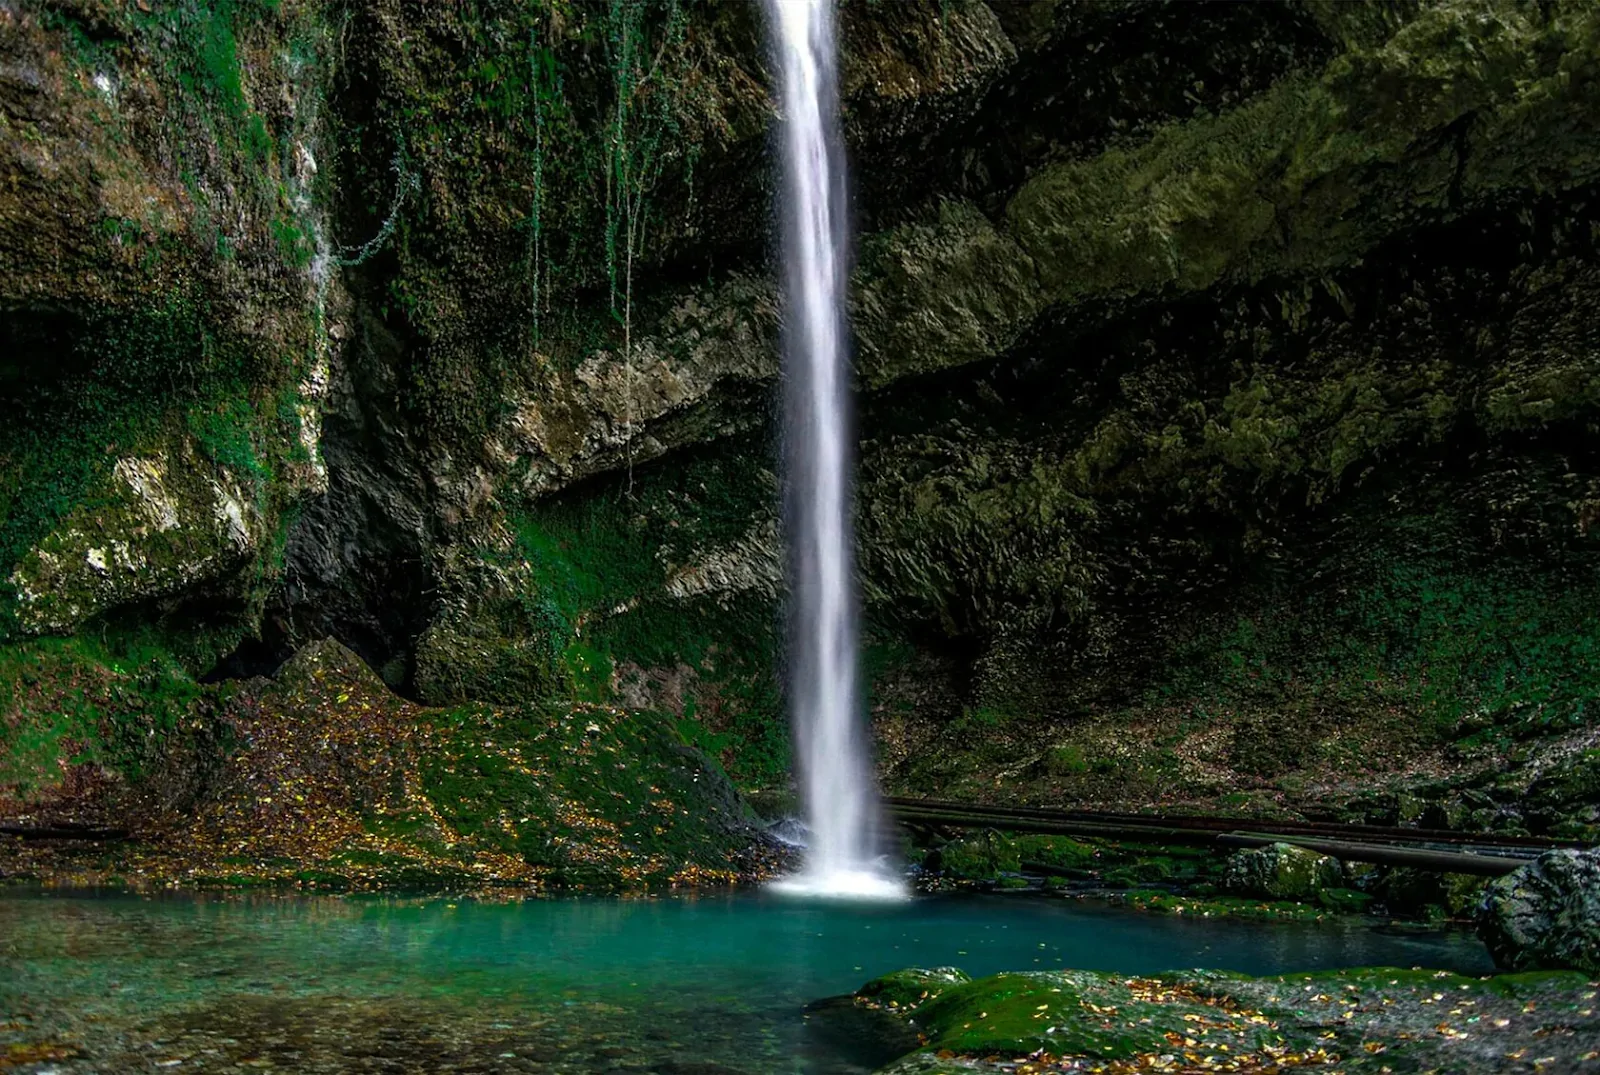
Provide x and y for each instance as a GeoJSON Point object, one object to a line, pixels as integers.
{"type": "Point", "coordinates": [644, 116]}
{"type": "Point", "coordinates": [620, 151]}
{"type": "Point", "coordinates": [544, 78]}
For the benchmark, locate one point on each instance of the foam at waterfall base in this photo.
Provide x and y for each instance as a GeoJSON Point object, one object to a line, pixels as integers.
{"type": "Point", "coordinates": [843, 884]}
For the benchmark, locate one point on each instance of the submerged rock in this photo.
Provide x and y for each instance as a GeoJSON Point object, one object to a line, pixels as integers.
{"type": "Point", "coordinates": [868, 1024]}
{"type": "Point", "coordinates": [1281, 872]}
{"type": "Point", "coordinates": [1547, 914]}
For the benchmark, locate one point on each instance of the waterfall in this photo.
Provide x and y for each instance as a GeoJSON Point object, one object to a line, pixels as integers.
{"type": "Point", "coordinates": [823, 683]}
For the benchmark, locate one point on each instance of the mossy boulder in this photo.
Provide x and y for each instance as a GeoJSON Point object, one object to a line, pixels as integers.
{"type": "Point", "coordinates": [1546, 914]}
{"type": "Point", "coordinates": [981, 857]}
{"type": "Point", "coordinates": [1281, 872]}
{"type": "Point", "coordinates": [1074, 1014]}
{"type": "Point", "coordinates": [906, 990]}
{"type": "Point", "coordinates": [170, 524]}
{"type": "Point", "coordinates": [1367, 1019]}
{"type": "Point", "coordinates": [870, 1024]}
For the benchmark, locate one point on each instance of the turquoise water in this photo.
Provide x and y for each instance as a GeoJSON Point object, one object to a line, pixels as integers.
{"type": "Point", "coordinates": [675, 985]}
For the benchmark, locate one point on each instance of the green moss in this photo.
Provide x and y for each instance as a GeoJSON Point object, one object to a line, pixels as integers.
{"type": "Point", "coordinates": [1196, 906]}
{"type": "Point", "coordinates": [1015, 1014]}
{"type": "Point", "coordinates": [161, 381]}
{"type": "Point", "coordinates": [77, 701]}
{"type": "Point", "coordinates": [1367, 1019]}
{"type": "Point", "coordinates": [596, 795]}
{"type": "Point", "coordinates": [1218, 195]}
{"type": "Point", "coordinates": [207, 54]}
{"type": "Point", "coordinates": [908, 990]}
{"type": "Point", "coordinates": [1059, 851]}
{"type": "Point", "coordinates": [1282, 872]}
{"type": "Point", "coordinates": [1385, 979]}
{"type": "Point", "coordinates": [1062, 760]}
{"type": "Point", "coordinates": [599, 603]}
{"type": "Point", "coordinates": [983, 857]}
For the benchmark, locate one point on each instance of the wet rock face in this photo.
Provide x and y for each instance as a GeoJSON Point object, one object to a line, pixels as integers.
{"type": "Point", "coordinates": [167, 311]}
{"type": "Point", "coordinates": [1281, 872]}
{"type": "Point", "coordinates": [1547, 914]}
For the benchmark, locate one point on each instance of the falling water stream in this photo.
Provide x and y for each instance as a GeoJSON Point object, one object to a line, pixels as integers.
{"type": "Point", "coordinates": [824, 692]}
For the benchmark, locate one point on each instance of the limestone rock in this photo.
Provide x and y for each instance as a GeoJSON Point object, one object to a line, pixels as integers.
{"type": "Point", "coordinates": [161, 525]}
{"type": "Point", "coordinates": [1281, 872]}
{"type": "Point", "coordinates": [1547, 914]}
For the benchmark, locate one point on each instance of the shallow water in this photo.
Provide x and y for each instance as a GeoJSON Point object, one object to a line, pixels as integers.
{"type": "Point", "coordinates": [707, 984]}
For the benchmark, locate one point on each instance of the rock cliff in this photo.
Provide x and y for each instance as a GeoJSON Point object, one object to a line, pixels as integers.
{"type": "Point", "coordinates": [1229, 377]}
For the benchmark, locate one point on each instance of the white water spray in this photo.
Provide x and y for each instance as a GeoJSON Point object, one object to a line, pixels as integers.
{"type": "Point", "coordinates": [824, 692]}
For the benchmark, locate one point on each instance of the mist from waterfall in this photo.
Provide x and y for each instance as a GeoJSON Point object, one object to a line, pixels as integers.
{"type": "Point", "coordinates": [824, 690]}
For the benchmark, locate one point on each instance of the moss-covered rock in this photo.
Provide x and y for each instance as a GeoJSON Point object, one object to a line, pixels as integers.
{"type": "Point", "coordinates": [1369, 1019]}
{"type": "Point", "coordinates": [909, 989]}
{"type": "Point", "coordinates": [1281, 872]}
{"type": "Point", "coordinates": [1060, 852]}
{"type": "Point", "coordinates": [160, 526]}
{"type": "Point", "coordinates": [167, 309]}
{"type": "Point", "coordinates": [1079, 1014]}
{"type": "Point", "coordinates": [981, 857]}
{"type": "Point", "coordinates": [1546, 914]}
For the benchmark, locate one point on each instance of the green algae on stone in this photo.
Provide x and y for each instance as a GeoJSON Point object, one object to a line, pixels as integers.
{"type": "Point", "coordinates": [1076, 1013]}
{"type": "Point", "coordinates": [1367, 1019]}
{"type": "Point", "coordinates": [1281, 872]}
{"type": "Point", "coordinates": [907, 990]}
{"type": "Point", "coordinates": [982, 857]}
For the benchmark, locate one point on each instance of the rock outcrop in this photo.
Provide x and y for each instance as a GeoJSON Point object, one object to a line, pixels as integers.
{"type": "Point", "coordinates": [1547, 914]}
